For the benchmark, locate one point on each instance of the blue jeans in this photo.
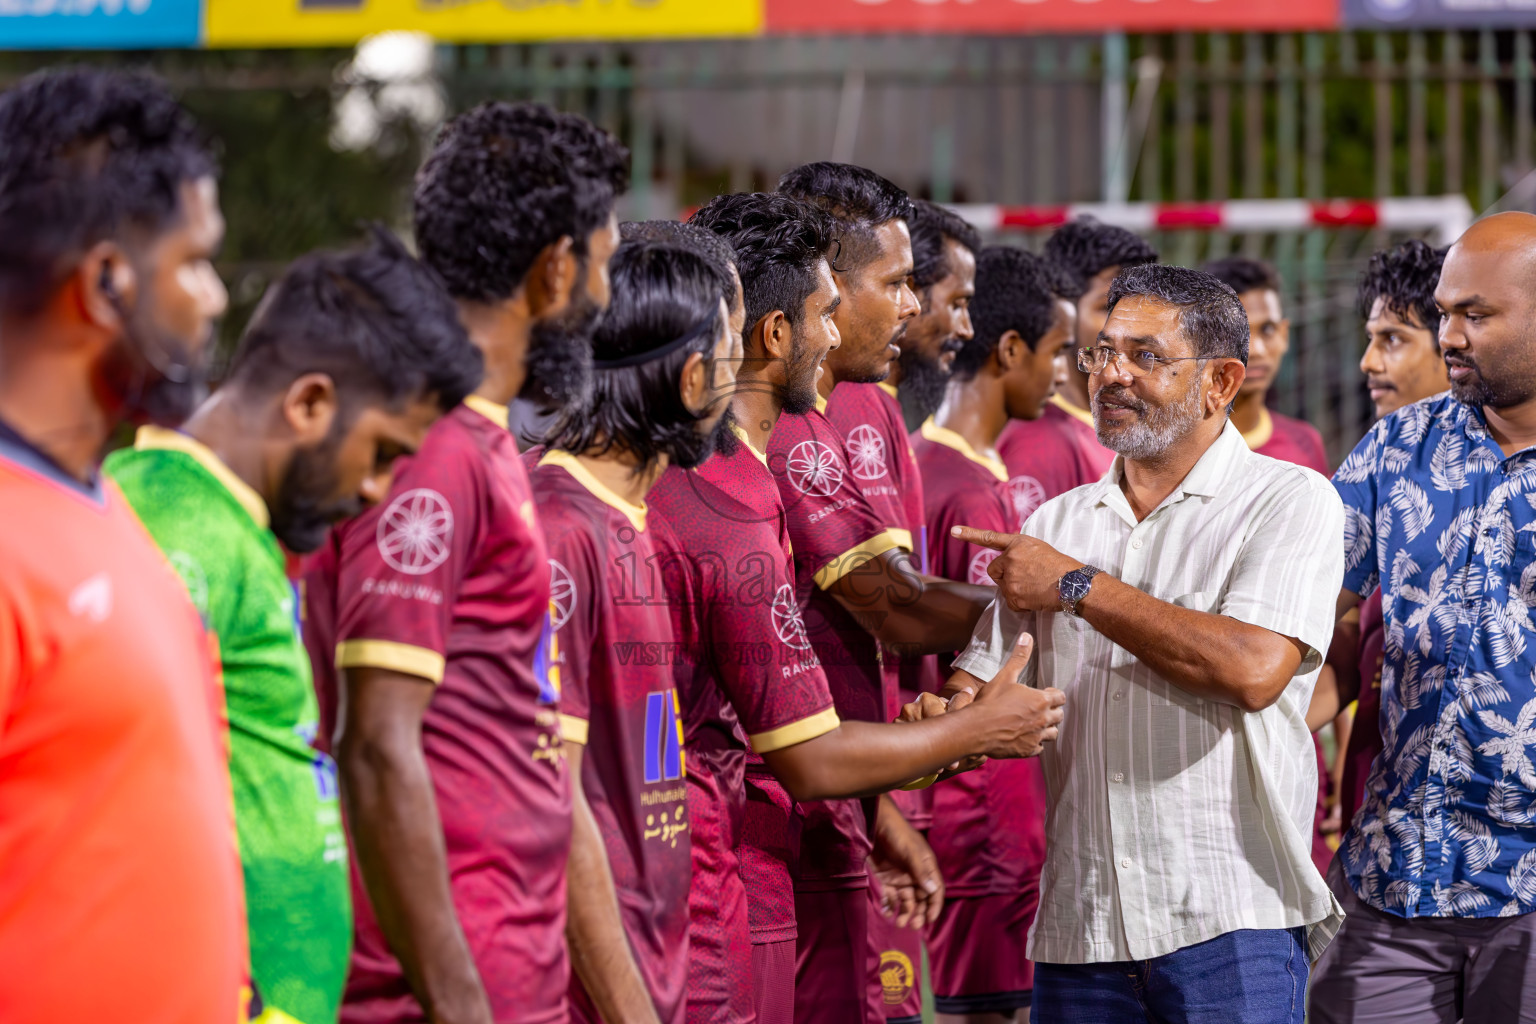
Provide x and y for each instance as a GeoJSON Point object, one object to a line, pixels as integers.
{"type": "Point", "coordinates": [1243, 977]}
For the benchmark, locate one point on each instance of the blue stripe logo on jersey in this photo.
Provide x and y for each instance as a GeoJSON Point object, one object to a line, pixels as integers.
{"type": "Point", "coordinates": [663, 738]}
{"type": "Point", "coordinates": [546, 664]}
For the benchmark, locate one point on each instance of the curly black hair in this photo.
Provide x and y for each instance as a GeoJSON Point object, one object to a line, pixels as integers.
{"type": "Point", "coordinates": [85, 156]}
{"type": "Point", "coordinates": [1086, 247]}
{"type": "Point", "coordinates": [662, 296]}
{"type": "Point", "coordinates": [374, 319]}
{"type": "Point", "coordinates": [1208, 309]}
{"type": "Point", "coordinates": [855, 198]}
{"type": "Point", "coordinates": [931, 224]}
{"type": "Point", "coordinates": [778, 242]}
{"type": "Point", "coordinates": [504, 181]}
{"type": "Point", "coordinates": [1015, 291]}
{"type": "Point", "coordinates": [692, 237]}
{"type": "Point", "coordinates": [1406, 277]}
{"type": "Point", "coordinates": [1244, 274]}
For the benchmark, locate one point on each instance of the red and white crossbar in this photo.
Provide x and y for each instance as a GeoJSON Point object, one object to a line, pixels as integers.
{"type": "Point", "coordinates": [1445, 216]}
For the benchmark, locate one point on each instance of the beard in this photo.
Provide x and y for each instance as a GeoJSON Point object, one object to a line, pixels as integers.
{"type": "Point", "coordinates": [303, 511]}
{"type": "Point", "coordinates": [1498, 390]}
{"type": "Point", "coordinates": [800, 380]}
{"type": "Point", "coordinates": [559, 359]}
{"type": "Point", "coordinates": [1157, 427]}
{"type": "Point", "coordinates": [924, 379]}
{"type": "Point", "coordinates": [156, 378]}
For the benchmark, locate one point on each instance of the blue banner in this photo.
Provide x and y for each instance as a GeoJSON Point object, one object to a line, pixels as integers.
{"type": "Point", "coordinates": [1390, 14]}
{"type": "Point", "coordinates": [98, 24]}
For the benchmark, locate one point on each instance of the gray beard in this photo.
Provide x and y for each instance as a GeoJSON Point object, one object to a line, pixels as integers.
{"type": "Point", "coordinates": [1157, 429]}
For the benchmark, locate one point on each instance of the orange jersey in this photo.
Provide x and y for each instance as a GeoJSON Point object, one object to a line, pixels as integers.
{"type": "Point", "coordinates": [120, 893]}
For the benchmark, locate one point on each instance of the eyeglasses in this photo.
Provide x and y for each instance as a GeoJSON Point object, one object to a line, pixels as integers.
{"type": "Point", "coordinates": [1138, 363]}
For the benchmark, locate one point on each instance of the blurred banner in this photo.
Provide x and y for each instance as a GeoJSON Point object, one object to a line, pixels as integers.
{"type": "Point", "coordinates": [1024, 16]}
{"type": "Point", "coordinates": [337, 22]}
{"type": "Point", "coordinates": [90, 24]}
{"type": "Point", "coordinates": [1439, 13]}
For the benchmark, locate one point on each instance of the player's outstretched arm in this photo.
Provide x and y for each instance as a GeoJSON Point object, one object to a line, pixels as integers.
{"type": "Point", "coordinates": [914, 613]}
{"type": "Point", "coordinates": [600, 953]}
{"type": "Point", "coordinates": [864, 758]}
{"type": "Point", "coordinates": [398, 840]}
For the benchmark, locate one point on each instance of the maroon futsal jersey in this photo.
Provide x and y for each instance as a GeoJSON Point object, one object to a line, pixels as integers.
{"type": "Point", "coordinates": [764, 846]}
{"type": "Point", "coordinates": [448, 581]}
{"type": "Point", "coordinates": [1051, 455]}
{"type": "Point", "coordinates": [613, 650]}
{"type": "Point", "coordinates": [833, 531]}
{"type": "Point", "coordinates": [1289, 440]}
{"type": "Point", "coordinates": [869, 419]}
{"type": "Point", "coordinates": [748, 668]}
{"type": "Point", "coordinates": [989, 825]}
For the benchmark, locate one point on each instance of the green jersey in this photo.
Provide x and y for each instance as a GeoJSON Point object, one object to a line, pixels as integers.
{"type": "Point", "coordinates": [213, 529]}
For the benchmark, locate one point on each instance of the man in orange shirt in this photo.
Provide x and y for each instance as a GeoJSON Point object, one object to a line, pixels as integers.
{"type": "Point", "coordinates": [120, 895]}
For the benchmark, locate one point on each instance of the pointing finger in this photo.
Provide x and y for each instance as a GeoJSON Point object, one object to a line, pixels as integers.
{"type": "Point", "coordinates": [983, 538]}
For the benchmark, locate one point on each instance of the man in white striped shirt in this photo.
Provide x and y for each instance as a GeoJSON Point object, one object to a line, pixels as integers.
{"type": "Point", "coordinates": [1183, 604]}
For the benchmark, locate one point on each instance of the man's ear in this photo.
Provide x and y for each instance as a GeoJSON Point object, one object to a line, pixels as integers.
{"type": "Point", "coordinates": [551, 281]}
{"type": "Point", "coordinates": [774, 335]}
{"type": "Point", "coordinates": [106, 285]}
{"type": "Point", "coordinates": [1226, 377]}
{"type": "Point", "coordinates": [1012, 351]}
{"type": "Point", "coordinates": [694, 385]}
{"type": "Point", "coordinates": [310, 407]}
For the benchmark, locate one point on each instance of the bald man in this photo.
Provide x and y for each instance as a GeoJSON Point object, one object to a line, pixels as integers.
{"type": "Point", "coordinates": [1437, 872]}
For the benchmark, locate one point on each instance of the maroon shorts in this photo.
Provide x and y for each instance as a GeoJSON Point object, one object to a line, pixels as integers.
{"type": "Point", "coordinates": [976, 953]}
{"type": "Point", "coordinates": [895, 966]}
{"type": "Point", "coordinates": [773, 981]}
{"type": "Point", "coordinates": [830, 957]}
{"type": "Point", "coordinates": [719, 942]}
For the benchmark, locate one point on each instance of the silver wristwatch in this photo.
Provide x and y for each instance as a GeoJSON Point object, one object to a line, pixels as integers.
{"type": "Point", "coordinates": [1074, 586]}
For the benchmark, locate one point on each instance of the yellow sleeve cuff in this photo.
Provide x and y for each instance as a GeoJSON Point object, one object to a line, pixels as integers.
{"type": "Point", "coordinates": [573, 729]}
{"type": "Point", "coordinates": [819, 724]}
{"type": "Point", "coordinates": [856, 556]}
{"type": "Point", "coordinates": [922, 783]}
{"type": "Point", "coordinates": [388, 654]}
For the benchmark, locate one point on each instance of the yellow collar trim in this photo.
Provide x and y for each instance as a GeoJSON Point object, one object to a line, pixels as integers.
{"type": "Point", "coordinates": [1259, 436]}
{"type": "Point", "coordinates": [497, 414]}
{"type": "Point", "coordinates": [741, 434]}
{"type": "Point", "coordinates": [949, 439]}
{"type": "Point", "coordinates": [888, 388]}
{"type": "Point", "coordinates": [572, 465]}
{"type": "Point", "coordinates": [1075, 411]}
{"type": "Point", "coordinates": [158, 438]}
{"type": "Point", "coordinates": [821, 404]}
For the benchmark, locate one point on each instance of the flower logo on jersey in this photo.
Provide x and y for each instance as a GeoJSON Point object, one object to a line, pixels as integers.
{"type": "Point", "coordinates": [813, 469]}
{"type": "Point", "coordinates": [1027, 495]}
{"type": "Point", "coordinates": [415, 531]}
{"type": "Point", "coordinates": [787, 621]}
{"type": "Point", "coordinates": [562, 594]}
{"type": "Point", "coordinates": [866, 452]}
{"type": "Point", "coordinates": [896, 977]}
{"type": "Point", "coordinates": [977, 572]}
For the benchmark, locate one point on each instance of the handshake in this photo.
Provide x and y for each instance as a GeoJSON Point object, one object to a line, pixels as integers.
{"type": "Point", "coordinates": [1006, 719]}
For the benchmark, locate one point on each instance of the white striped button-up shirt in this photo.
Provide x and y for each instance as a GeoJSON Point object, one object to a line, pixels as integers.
{"type": "Point", "coordinates": [1174, 819]}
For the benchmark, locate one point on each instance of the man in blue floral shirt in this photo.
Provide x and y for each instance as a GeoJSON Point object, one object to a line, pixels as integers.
{"type": "Point", "coordinates": [1437, 872]}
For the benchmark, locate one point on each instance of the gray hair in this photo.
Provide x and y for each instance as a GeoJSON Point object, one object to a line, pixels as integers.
{"type": "Point", "coordinates": [1209, 311]}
